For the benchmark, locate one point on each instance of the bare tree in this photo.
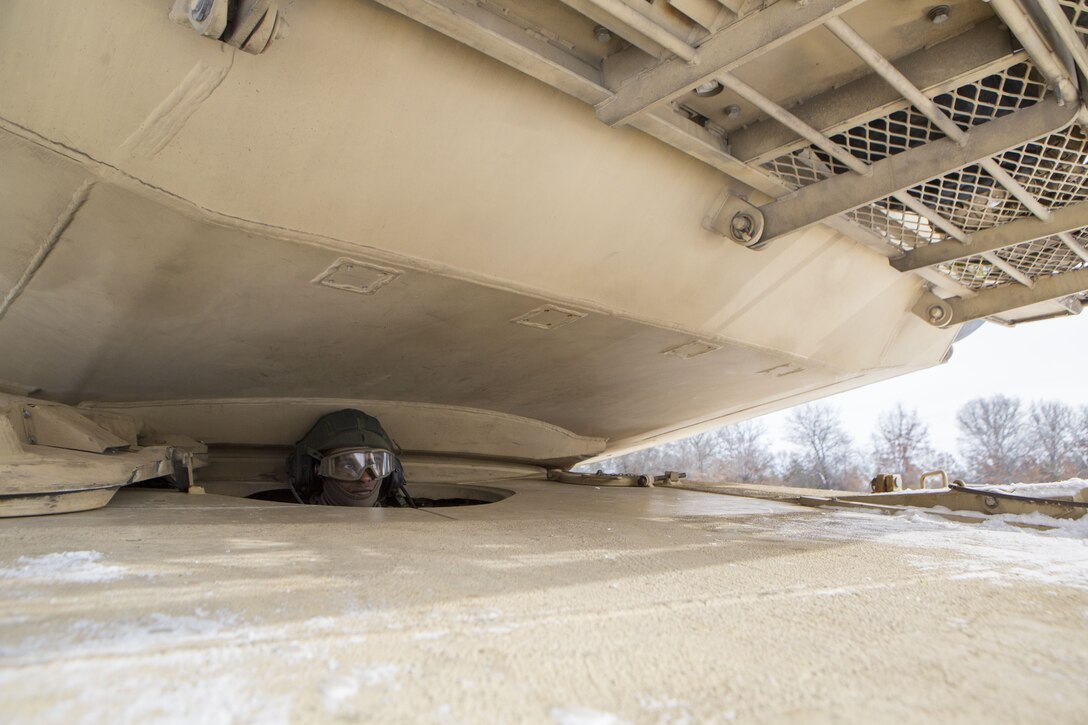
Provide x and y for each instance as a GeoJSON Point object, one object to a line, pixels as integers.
{"type": "Point", "coordinates": [1080, 443]}
{"type": "Point", "coordinates": [746, 457]}
{"type": "Point", "coordinates": [901, 444]}
{"type": "Point", "coordinates": [1052, 434]}
{"type": "Point", "coordinates": [643, 461]}
{"type": "Point", "coordinates": [993, 443]}
{"type": "Point", "coordinates": [825, 458]}
{"type": "Point", "coordinates": [700, 456]}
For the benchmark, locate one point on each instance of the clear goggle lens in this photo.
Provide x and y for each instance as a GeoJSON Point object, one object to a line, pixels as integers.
{"type": "Point", "coordinates": [351, 465]}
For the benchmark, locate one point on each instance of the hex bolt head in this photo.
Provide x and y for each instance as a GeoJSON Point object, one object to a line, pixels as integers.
{"type": "Point", "coordinates": [602, 34]}
{"type": "Point", "coordinates": [939, 14]}
{"type": "Point", "coordinates": [732, 110]}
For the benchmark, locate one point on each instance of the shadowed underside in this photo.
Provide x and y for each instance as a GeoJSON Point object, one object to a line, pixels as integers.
{"type": "Point", "coordinates": [373, 210]}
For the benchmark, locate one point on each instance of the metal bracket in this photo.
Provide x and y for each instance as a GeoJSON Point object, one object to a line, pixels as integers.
{"type": "Point", "coordinates": [250, 25]}
{"type": "Point", "coordinates": [739, 221]}
{"type": "Point", "coordinates": [934, 310]}
{"type": "Point", "coordinates": [669, 478]}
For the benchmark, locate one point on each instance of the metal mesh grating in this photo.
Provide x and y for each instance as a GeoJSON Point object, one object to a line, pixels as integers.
{"type": "Point", "coordinates": [997, 95]}
{"type": "Point", "coordinates": [1077, 13]}
{"type": "Point", "coordinates": [1040, 258]}
{"type": "Point", "coordinates": [896, 224]}
{"type": "Point", "coordinates": [994, 96]}
{"type": "Point", "coordinates": [974, 272]}
{"type": "Point", "coordinates": [1053, 169]}
{"type": "Point", "coordinates": [969, 198]}
{"type": "Point", "coordinates": [799, 168]}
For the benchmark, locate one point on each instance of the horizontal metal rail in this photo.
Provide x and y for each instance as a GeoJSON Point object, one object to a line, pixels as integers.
{"type": "Point", "coordinates": [1001, 299]}
{"type": "Point", "coordinates": [842, 193]}
{"type": "Point", "coordinates": [1016, 232]}
{"type": "Point", "coordinates": [841, 154]}
{"type": "Point", "coordinates": [941, 120]}
{"type": "Point", "coordinates": [980, 52]}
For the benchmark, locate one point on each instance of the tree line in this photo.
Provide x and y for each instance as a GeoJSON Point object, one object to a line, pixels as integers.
{"type": "Point", "coordinates": [1001, 440]}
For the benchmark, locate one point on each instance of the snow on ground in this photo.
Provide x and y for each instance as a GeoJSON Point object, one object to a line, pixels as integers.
{"type": "Point", "coordinates": [584, 716]}
{"type": "Point", "coordinates": [1056, 489]}
{"type": "Point", "coordinates": [1041, 490]}
{"type": "Point", "coordinates": [992, 549]}
{"type": "Point", "coordinates": [66, 566]}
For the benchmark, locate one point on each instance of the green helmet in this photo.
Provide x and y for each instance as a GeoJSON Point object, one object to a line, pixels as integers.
{"type": "Point", "coordinates": [344, 429]}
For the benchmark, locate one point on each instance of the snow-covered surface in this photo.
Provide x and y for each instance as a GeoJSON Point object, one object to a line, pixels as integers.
{"type": "Point", "coordinates": [584, 716]}
{"type": "Point", "coordinates": [993, 548]}
{"type": "Point", "coordinates": [639, 606]}
{"type": "Point", "coordinates": [65, 566]}
{"type": "Point", "coordinates": [1063, 527]}
{"type": "Point", "coordinates": [1041, 490]}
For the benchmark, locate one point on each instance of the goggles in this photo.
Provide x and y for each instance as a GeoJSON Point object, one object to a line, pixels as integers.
{"type": "Point", "coordinates": [350, 465]}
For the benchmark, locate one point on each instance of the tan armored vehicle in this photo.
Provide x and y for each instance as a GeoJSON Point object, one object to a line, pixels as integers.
{"type": "Point", "coordinates": [600, 224]}
{"type": "Point", "coordinates": [524, 234]}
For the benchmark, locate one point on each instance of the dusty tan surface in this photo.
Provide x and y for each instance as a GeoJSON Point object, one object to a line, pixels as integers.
{"type": "Point", "coordinates": [562, 602]}
{"type": "Point", "coordinates": [189, 199]}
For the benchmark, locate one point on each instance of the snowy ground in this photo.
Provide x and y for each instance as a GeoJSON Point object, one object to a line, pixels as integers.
{"type": "Point", "coordinates": [563, 605]}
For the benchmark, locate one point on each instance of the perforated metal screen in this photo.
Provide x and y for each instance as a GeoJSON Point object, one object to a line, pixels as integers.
{"type": "Point", "coordinates": [1077, 13]}
{"type": "Point", "coordinates": [1053, 169]}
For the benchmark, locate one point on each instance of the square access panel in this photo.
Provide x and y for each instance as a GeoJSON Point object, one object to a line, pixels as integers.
{"type": "Point", "coordinates": [693, 348]}
{"type": "Point", "coordinates": [355, 276]}
{"type": "Point", "coordinates": [548, 317]}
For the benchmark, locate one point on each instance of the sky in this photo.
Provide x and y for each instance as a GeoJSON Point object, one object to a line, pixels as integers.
{"type": "Point", "coordinates": [1045, 360]}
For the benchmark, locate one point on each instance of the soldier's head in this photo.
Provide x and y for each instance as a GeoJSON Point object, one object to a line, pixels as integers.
{"type": "Point", "coordinates": [346, 459]}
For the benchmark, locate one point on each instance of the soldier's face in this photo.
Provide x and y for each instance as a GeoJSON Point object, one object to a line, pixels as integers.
{"type": "Point", "coordinates": [362, 486]}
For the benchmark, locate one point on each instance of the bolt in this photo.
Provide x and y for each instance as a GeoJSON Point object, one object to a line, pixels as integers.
{"type": "Point", "coordinates": [741, 226]}
{"type": "Point", "coordinates": [26, 413]}
{"type": "Point", "coordinates": [710, 88]}
{"type": "Point", "coordinates": [989, 501]}
{"type": "Point", "coordinates": [936, 313]}
{"type": "Point", "coordinates": [602, 34]}
{"type": "Point", "coordinates": [939, 14]}
{"type": "Point", "coordinates": [732, 111]}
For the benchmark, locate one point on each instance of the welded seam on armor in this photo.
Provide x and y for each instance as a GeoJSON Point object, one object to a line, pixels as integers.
{"type": "Point", "coordinates": [168, 118]}
{"type": "Point", "coordinates": [79, 198]}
